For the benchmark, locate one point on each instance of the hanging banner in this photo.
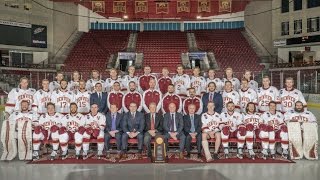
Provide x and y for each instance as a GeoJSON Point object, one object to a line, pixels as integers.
{"type": "Point", "coordinates": [183, 6]}
{"type": "Point", "coordinates": [141, 6]}
{"type": "Point", "coordinates": [225, 5]}
{"type": "Point", "coordinates": [204, 6]}
{"type": "Point", "coordinates": [119, 7]}
{"type": "Point", "coordinates": [162, 8]}
{"type": "Point", "coordinates": [98, 6]}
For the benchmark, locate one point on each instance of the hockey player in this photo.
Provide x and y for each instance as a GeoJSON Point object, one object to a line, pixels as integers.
{"type": "Point", "coordinates": [211, 78]}
{"type": "Point", "coordinates": [95, 77]}
{"type": "Point", "coordinates": [198, 82]}
{"type": "Point", "coordinates": [74, 83]}
{"type": "Point", "coordinates": [252, 83]}
{"type": "Point", "coordinates": [230, 95]}
{"type": "Point", "coordinates": [62, 98]}
{"type": "Point", "coordinates": [42, 97]}
{"type": "Point", "coordinates": [111, 80]}
{"type": "Point", "coordinates": [128, 78]}
{"type": "Point", "coordinates": [229, 77]}
{"type": "Point", "coordinates": [82, 98]}
{"type": "Point", "coordinates": [246, 95]}
{"type": "Point", "coordinates": [267, 93]}
{"type": "Point", "coordinates": [55, 85]}
{"type": "Point", "coordinates": [181, 82]}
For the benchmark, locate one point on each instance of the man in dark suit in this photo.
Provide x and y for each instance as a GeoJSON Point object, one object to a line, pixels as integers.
{"type": "Point", "coordinates": [99, 98]}
{"type": "Point", "coordinates": [113, 129]}
{"type": "Point", "coordinates": [212, 96]}
{"type": "Point", "coordinates": [133, 127]}
{"type": "Point", "coordinates": [153, 126]}
{"type": "Point", "coordinates": [173, 128]}
{"type": "Point", "coordinates": [192, 129]}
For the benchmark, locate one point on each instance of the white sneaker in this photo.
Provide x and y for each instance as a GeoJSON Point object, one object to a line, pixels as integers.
{"type": "Point", "coordinates": [53, 155]}
{"type": "Point", "coordinates": [35, 155]}
{"type": "Point", "coordinates": [252, 154]}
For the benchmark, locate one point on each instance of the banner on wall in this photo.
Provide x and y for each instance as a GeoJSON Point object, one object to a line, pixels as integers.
{"type": "Point", "coordinates": [225, 5]}
{"type": "Point", "coordinates": [162, 8]}
{"type": "Point", "coordinates": [39, 36]}
{"type": "Point", "coordinates": [98, 6]}
{"type": "Point", "coordinates": [197, 55]}
{"type": "Point", "coordinates": [183, 6]}
{"type": "Point", "coordinates": [141, 6]}
{"type": "Point", "coordinates": [127, 56]}
{"type": "Point", "coordinates": [204, 6]}
{"type": "Point", "coordinates": [119, 7]}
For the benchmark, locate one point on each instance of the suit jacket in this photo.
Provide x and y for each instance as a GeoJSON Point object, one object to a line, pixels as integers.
{"type": "Point", "coordinates": [187, 124]}
{"type": "Point", "coordinates": [158, 122]}
{"type": "Point", "coordinates": [178, 119]}
{"type": "Point", "coordinates": [217, 99]}
{"type": "Point", "coordinates": [103, 108]}
{"type": "Point", "coordinates": [109, 122]}
{"type": "Point", "coordinates": [129, 126]}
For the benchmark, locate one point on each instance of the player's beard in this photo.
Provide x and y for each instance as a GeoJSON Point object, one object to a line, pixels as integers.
{"type": "Point", "coordinates": [299, 110]}
{"type": "Point", "coordinates": [132, 90]}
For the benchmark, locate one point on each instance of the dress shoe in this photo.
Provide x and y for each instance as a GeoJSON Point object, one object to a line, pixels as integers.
{"type": "Point", "coordinates": [199, 156]}
{"type": "Point", "coordinates": [188, 155]}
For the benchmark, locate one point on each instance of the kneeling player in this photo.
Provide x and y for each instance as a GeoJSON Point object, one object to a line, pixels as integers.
{"type": "Point", "coordinates": [72, 128]}
{"type": "Point", "coordinates": [232, 128]}
{"type": "Point", "coordinates": [210, 130]}
{"type": "Point", "coordinates": [46, 129]}
{"type": "Point", "coordinates": [276, 128]}
{"type": "Point", "coordinates": [95, 124]}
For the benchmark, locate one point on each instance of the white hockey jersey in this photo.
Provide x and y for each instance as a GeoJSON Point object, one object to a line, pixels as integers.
{"type": "Point", "coordinates": [73, 85]}
{"type": "Point", "coordinates": [54, 85]}
{"type": "Point", "coordinates": [127, 79]}
{"type": "Point", "coordinates": [181, 83]}
{"type": "Point", "coordinates": [199, 84]}
{"type": "Point", "coordinates": [47, 121]}
{"type": "Point", "coordinates": [265, 96]}
{"type": "Point", "coordinates": [83, 101]}
{"type": "Point", "coordinates": [210, 122]}
{"type": "Point", "coordinates": [95, 122]}
{"type": "Point", "coordinates": [247, 96]}
{"type": "Point", "coordinates": [91, 83]}
{"type": "Point", "coordinates": [235, 83]}
{"type": "Point", "coordinates": [73, 122]}
{"type": "Point", "coordinates": [273, 119]}
{"type": "Point", "coordinates": [62, 100]}
{"type": "Point", "coordinates": [16, 95]}
{"type": "Point", "coordinates": [218, 82]}
{"type": "Point", "coordinates": [289, 98]}
{"type": "Point", "coordinates": [41, 98]}
{"type": "Point", "coordinates": [253, 85]}
{"type": "Point", "coordinates": [305, 116]}
{"type": "Point", "coordinates": [109, 83]}
{"type": "Point", "coordinates": [231, 120]}
{"type": "Point", "coordinates": [254, 119]}
{"type": "Point", "coordinates": [231, 96]}
{"type": "Point", "coordinates": [24, 116]}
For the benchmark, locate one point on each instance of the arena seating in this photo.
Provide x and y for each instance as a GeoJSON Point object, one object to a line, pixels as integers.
{"type": "Point", "coordinates": [93, 50]}
{"type": "Point", "coordinates": [162, 48]}
{"type": "Point", "coordinates": [230, 48]}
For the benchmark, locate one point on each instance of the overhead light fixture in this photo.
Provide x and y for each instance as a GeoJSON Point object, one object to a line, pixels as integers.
{"type": "Point", "coordinates": [198, 17]}
{"type": "Point", "coordinates": [125, 17]}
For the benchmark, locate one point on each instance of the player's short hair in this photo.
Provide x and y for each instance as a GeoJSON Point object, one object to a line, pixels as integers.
{"type": "Point", "coordinates": [132, 82]}
{"type": "Point", "coordinates": [247, 107]}
{"type": "Point", "coordinates": [212, 70]}
{"type": "Point", "coordinates": [73, 104]}
{"type": "Point", "coordinates": [152, 103]}
{"type": "Point", "coordinates": [171, 85]}
{"type": "Point", "coordinates": [191, 105]}
{"type": "Point", "coordinates": [152, 79]}
{"type": "Point", "coordinates": [295, 104]}
{"type": "Point", "coordinates": [51, 104]}
{"type": "Point", "coordinates": [180, 65]}
{"type": "Point", "coordinates": [146, 66]}
{"type": "Point", "coordinates": [133, 103]}
{"type": "Point", "coordinates": [113, 105]}
{"type": "Point", "coordinates": [244, 79]}
{"type": "Point", "coordinates": [228, 68]}
{"type": "Point", "coordinates": [289, 78]}
{"type": "Point", "coordinates": [116, 83]}
{"type": "Point", "coordinates": [131, 66]}
{"type": "Point", "coordinates": [230, 102]}
{"type": "Point", "coordinates": [228, 82]}
{"type": "Point", "coordinates": [272, 102]}
{"type": "Point", "coordinates": [246, 70]}
{"type": "Point", "coordinates": [266, 77]}
{"type": "Point", "coordinates": [74, 72]}
{"type": "Point", "coordinates": [82, 80]}
{"type": "Point", "coordinates": [212, 83]}
{"type": "Point", "coordinates": [211, 102]}
{"type": "Point", "coordinates": [94, 104]}
{"type": "Point", "coordinates": [94, 70]}
{"type": "Point", "coordinates": [197, 67]}
{"type": "Point", "coordinates": [60, 72]}
{"type": "Point", "coordinates": [24, 101]}
{"type": "Point", "coordinates": [24, 78]}
{"type": "Point", "coordinates": [64, 81]}
{"type": "Point", "coordinates": [191, 88]}
{"type": "Point", "coordinates": [98, 83]}
{"type": "Point", "coordinates": [113, 69]}
{"type": "Point", "coordinates": [165, 68]}
{"type": "Point", "coordinates": [45, 80]}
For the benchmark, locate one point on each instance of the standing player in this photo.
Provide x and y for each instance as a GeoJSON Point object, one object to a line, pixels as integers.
{"type": "Point", "coordinates": [230, 95]}
{"type": "Point", "coordinates": [17, 95]}
{"type": "Point", "coordinates": [232, 128]}
{"type": "Point", "coordinates": [246, 95]}
{"type": "Point", "coordinates": [277, 129]}
{"type": "Point", "coordinates": [217, 81]}
{"type": "Point", "coordinates": [229, 77]}
{"type": "Point", "coordinates": [266, 94]}
{"type": "Point", "coordinates": [252, 120]}
{"type": "Point", "coordinates": [95, 123]}
{"type": "Point", "coordinates": [145, 78]}
{"type": "Point", "coordinates": [62, 98]}
{"type": "Point", "coordinates": [198, 82]}
{"type": "Point", "coordinates": [95, 77]}
{"type": "Point", "coordinates": [112, 79]}
{"type": "Point", "coordinates": [132, 96]}
{"type": "Point", "coordinates": [181, 82]}
{"type": "Point", "coordinates": [171, 97]}
{"type": "Point", "coordinates": [115, 97]}
{"type": "Point", "coordinates": [192, 99]}
{"type": "Point", "coordinates": [74, 83]}
{"type": "Point", "coordinates": [210, 129]}
{"type": "Point", "coordinates": [82, 98]}
{"type": "Point", "coordinates": [289, 96]}
{"type": "Point", "coordinates": [164, 81]}
{"type": "Point", "coordinates": [128, 78]}
{"type": "Point", "coordinates": [72, 128]}
{"type": "Point", "coordinates": [54, 85]}
{"type": "Point", "coordinates": [46, 129]}
{"type": "Point", "coordinates": [252, 83]}
{"type": "Point", "coordinates": [42, 97]}
{"type": "Point", "coordinates": [151, 95]}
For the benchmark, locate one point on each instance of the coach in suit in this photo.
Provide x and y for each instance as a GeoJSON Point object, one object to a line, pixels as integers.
{"type": "Point", "coordinates": [99, 98]}
{"type": "Point", "coordinates": [192, 129]}
{"type": "Point", "coordinates": [212, 96]}
{"type": "Point", "coordinates": [153, 126]}
{"type": "Point", "coordinates": [113, 129]}
{"type": "Point", "coordinates": [133, 127]}
{"type": "Point", "coordinates": [173, 127]}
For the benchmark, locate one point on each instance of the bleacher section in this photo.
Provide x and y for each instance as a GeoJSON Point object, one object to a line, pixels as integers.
{"type": "Point", "coordinates": [93, 50]}
{"type": "Point", "coordinates": [162, 48]}
{"type": "Point", "coordinates": [230, 48]}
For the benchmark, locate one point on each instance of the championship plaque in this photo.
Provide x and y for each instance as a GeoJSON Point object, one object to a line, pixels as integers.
{"type": "Point", "coordinates": [159, 155]}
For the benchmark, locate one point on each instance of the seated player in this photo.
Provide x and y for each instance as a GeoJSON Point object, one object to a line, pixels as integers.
{"type": "Point", "coordinates": [252, 120]}
{"type": "Point", "coordinates": [276, 129]}
{"type": "Point", "coordinates": [230, 95]}
{"type": "Point", "coordinates": [95, 123]}
{"type": "Point", "coordinates": [47, 128]}
{"type": "Point", "coordinates": [151, 95]}
{"type": "Point", "coordinates": [192, 99]}
{"type": "Point", "coordinates": [133, 125]}
{"type": "Point", "coordinates": [210, 130]}
{"type": "Point", "coordinates": [132, 96]}
{"type": "Point", "coordinates": [232, 127]}
{"type": "Point", "coordinates": [171, 97]}
{"type": "Point", "coordinates": [164, 81]}
{"type": "Point", "coordinates": [72, 128]}
{"type": "Point", "coordinates": [173, 128]}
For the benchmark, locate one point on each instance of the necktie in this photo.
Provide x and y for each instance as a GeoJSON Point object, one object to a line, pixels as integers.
{"type": "Point", "coordinates": [172, 123]}
{"type": "Point", "coordinates": [211, 97]}
{"type": "Point", "coordinates": [152, 122]}
{"type": "Point", "coordinates": [132, 116]}
{"type": "Point", "coordinates": [192, 124]}
{"type": "Point", "coordinates": [99, 96]}
{"type": "Point", "coordinates": [113, 126]}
